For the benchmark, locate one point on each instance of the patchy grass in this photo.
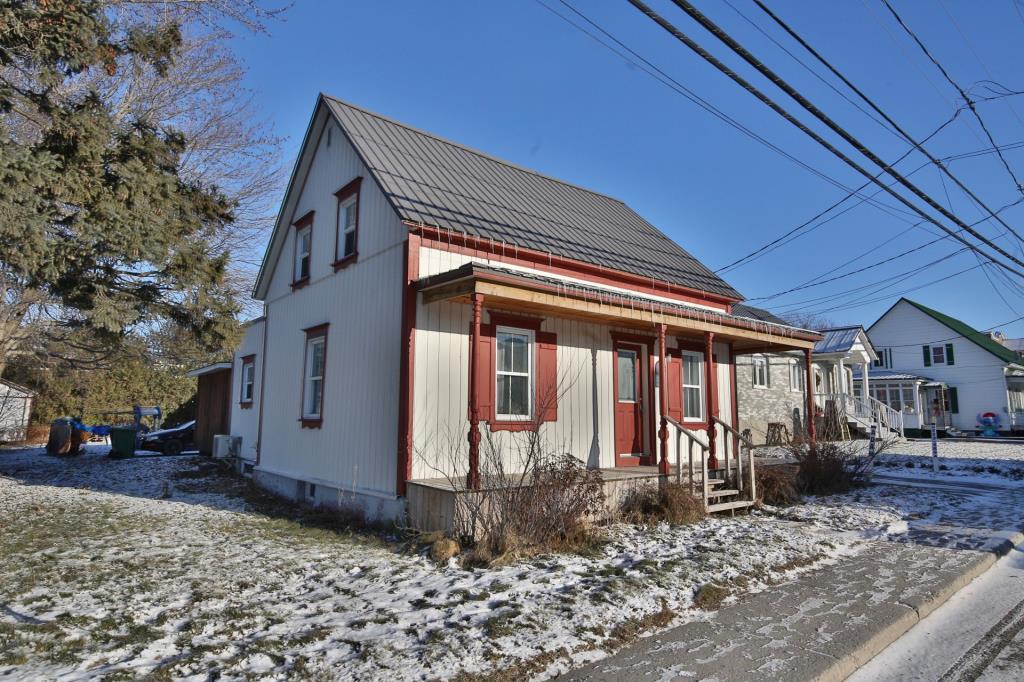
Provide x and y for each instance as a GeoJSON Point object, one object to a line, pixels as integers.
{"type": "Point", "coordinates": [710, 597]}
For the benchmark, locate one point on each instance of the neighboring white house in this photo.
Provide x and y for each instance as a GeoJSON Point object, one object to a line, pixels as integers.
{"type": "Point", "coordinates": [937, 369]}
{"type": "Point", "coordinates": [421, 296]}
{"type": "Point", "coordinates": [15, 410]}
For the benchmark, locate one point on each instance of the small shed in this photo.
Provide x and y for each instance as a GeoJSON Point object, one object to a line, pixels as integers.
{"type": "Point", "coordinates": [213, 403]}
{"type": "Point", "coordinates": [15, 410]}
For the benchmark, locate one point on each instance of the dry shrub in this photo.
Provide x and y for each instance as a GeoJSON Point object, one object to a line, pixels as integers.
{"type": "Point", "coordinates": [531, 500]}
{"type": "Point", "coordinates": [670, 502]}
{"type": "Point", "coordinates": [776, 485]}
{"type": "Point", "coordinates": [710, 597]}
{"type": "Point", "coordinates": [833, 467]}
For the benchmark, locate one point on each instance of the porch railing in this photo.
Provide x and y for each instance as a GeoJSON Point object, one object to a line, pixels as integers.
{"type": "Point", "coordinates": [850, 406]}
{"type": "Point", "coordinates": [734, 449]}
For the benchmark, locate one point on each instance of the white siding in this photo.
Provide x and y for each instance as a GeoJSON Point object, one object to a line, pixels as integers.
{"type": "Point", "coordinates": [245, 422]}
{"type": "Point", "coordinates": [585, 424]}
{"type": "Point", "coordinates": [977, 374]}
{"type": "Point", "coordinates": [356, 448]}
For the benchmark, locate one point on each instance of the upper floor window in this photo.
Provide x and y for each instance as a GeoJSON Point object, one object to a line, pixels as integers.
{"type": "Point", "coordinates": [884, 358]}
{"type": "Point", "coordinates": [347, 225]}
{"type": "Point", "coordinates": [759, 365]}
{"type": "Point", "coordinates": [303, 249]}
{"type": "Point", "coordinates": [938, 355]}
{"type": "Point", "coordinates": [514, 373]}
{"type": "Point", "coordinates": [693, 386]}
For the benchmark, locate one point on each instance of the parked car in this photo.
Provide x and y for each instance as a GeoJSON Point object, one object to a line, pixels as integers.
{"type": "Point", "coordinates": [171, 441]}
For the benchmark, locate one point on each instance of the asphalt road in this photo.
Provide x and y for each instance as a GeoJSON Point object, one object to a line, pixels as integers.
{"type": "Point", "coordinates": [977, 635]}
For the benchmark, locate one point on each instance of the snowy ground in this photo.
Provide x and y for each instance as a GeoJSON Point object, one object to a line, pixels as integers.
{"type": "Point", "coordinates": [162, 567]}
{"type": "Point", "coordinates": [995, 461]}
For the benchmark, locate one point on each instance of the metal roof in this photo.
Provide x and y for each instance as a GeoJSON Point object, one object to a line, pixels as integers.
{"type": "Point", "coordinates": [881, 374]}
{"type": "Point", "coordinates": [838, 340]}
{"type": "Point", "coordinates": [435, 182]}
{"type": "Point", "coordinates": [744, 310]}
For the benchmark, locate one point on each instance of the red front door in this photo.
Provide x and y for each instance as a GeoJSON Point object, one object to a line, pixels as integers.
{"type": "Point", "coordinates": [629, 406]}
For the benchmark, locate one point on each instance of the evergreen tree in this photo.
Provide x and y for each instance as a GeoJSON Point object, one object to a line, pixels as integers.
{"type": "Point", "coordinates": [98, 219]}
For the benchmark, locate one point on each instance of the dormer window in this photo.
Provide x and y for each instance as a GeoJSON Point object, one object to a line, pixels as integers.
{"type": "Point", "coordinates": [303, 250]}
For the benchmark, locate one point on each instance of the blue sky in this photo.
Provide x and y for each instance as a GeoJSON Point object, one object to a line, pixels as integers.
{"type": "Point", "coordinates": [512, 79]}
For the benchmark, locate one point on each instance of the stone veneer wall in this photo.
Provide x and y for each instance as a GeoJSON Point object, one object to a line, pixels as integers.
{"type": "Point", "coordinates": [776, 403]}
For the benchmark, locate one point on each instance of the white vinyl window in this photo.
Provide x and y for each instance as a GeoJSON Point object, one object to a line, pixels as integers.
{"type": "Point", "coordinates": [347, 224]}
{"type": "Point", "coordinates": [313, 390]}
{"type": "Point", "coordinates": [759, 366]}
{"type": "Point", "coordinates": [514, 373]}
{"type": "Point", "coordinates": [248, 380]}
{"type": "Point", "coordinates": [693, 386]}
{"type": "Point", "coordinates": [303, 252]}
{"type": "Point", "coordinates": [797, 376]}
{"type": "Point", "coordinates": [938, 355]}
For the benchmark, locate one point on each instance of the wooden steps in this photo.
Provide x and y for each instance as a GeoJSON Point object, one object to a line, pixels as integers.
{"type": "Point", "coordinates": [723, 492]}
{"type": "Point", "coordinates": [728, 506]}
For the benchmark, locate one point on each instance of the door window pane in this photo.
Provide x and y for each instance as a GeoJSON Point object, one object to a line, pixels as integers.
{"type": "Point", "coordinates": [627, 376]}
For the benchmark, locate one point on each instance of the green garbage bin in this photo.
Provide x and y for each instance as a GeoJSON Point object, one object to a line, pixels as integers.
{"type": "Point", "coordinates": [122, 442]}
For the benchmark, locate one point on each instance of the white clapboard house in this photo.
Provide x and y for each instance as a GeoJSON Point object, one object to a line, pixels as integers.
{"type": "Point", "coordinates": [937, 369]}
{"type": "Point", "coordinates": [422, 297]}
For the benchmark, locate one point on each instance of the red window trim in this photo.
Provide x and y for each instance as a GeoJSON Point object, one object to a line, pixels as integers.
{"type": "Point", "coordinates": [314, 332]}
{"type": "Point", "coordinates": [344, 193]}
{"type": "Point", "coordinates": [698, 347]}
{"type": "Point", "coordinates": [242, 402]}
{"type": "Point", "coordinates": [302, 222]}
{"type": "Point", "coordinates": [503, 319]}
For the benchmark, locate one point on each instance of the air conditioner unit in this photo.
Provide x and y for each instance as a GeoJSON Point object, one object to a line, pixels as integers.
{"type": "Point", "coordinates": [226, 447]}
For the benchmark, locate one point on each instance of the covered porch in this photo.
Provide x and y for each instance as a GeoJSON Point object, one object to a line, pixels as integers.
{"type": "Point", "coordinates": [659, 370]}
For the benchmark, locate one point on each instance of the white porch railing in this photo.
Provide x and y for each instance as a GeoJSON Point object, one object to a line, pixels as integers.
{"type": "Point", "coordinates": [854, 408]}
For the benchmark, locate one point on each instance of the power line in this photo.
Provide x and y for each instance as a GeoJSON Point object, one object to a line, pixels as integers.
{"type": "Point", "coordinates": [821, 116]}
{"type": "Point", "coordinates": [673, 84]}
{"type": "Point", "coordinates": [917, 145]}
{"type": "Point", "coordinates": [967, 98]}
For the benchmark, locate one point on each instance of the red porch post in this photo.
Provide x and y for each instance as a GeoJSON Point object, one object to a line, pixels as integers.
{"type": "Point", "coordinates": [473, 477]}
{"type": "Point", "coordinates": [663, 467]}
{"type": "Point", "coordinates": [812, 430]}
{"type": "Point", "coordinates": [711, 395]}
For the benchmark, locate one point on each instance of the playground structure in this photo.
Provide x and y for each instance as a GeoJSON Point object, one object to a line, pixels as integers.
{"type": "Point", "coordinates": [68, 434]}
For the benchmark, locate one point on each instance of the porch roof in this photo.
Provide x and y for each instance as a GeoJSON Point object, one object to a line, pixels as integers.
{"type": "Point", "coordinates": [891, 375]}
{"type": "Point", "coordinates": [532, 292]}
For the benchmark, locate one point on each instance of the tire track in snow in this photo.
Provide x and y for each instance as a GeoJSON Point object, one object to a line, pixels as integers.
{"type": "Point", "coordinates": [972, 664]}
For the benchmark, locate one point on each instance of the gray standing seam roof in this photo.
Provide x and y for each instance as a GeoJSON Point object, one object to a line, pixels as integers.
{"type": "Point", "coordinates": [837, 340]}
{"type": "Point", "coordinates": [744, 310]}
{"type": "Point", "coordinates": [436, 182]}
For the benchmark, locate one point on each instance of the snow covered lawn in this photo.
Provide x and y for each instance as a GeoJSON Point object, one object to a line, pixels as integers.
{"type": "Point", "coordinates": [994, 461]}
{"type": "Point", "coordinates": [166, 568]}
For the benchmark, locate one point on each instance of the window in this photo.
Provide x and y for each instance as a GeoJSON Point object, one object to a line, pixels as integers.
{"type": "Point", "coordinates": [759, 365]}
{"type": "Point", "coordinates": [248, 380]}
{"type": "Point", "coordinates": [514, 370]}
{"type": "Point", "coordinates": [303, 251]}
{"type": "Point", "coordinates": [938, 355]}
{"type": "Point", "coordinates": [314, 367]}
{"type": "Point", "coordinates": [884, 358]}
{"type": "Point", "coordinates": [797, 377]}
{"type": "Point", "coordinates": [693, 386]}
{"type": "Point", "coordinates": [347, 224]}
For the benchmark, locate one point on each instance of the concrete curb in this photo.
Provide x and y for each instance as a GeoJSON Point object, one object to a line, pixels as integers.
{"type": "Point", "coordinates": [919, 610]}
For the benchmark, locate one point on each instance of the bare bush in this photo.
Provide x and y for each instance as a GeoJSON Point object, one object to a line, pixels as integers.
{"type": "Point", "coordinates": [776, 485]}
{"type": "Point", "coordinates": [531, 499]}
{"type": "Point", "coordinates": [671, 503]}
{"type": "Point", "coordinates": [833, 467]}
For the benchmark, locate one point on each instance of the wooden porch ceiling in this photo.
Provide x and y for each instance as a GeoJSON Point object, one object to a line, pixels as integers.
{"type": "Point", "coordinates": [510, 290]}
